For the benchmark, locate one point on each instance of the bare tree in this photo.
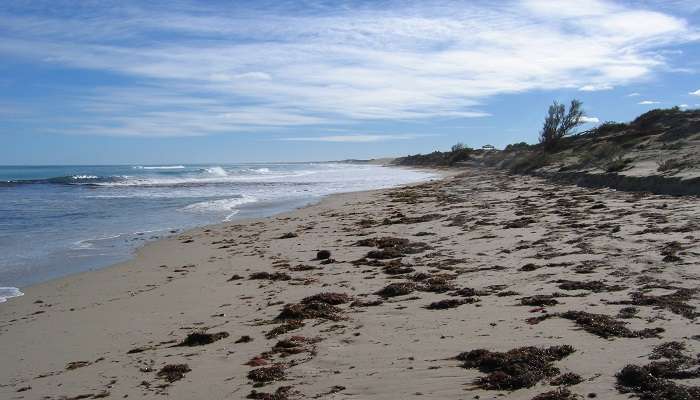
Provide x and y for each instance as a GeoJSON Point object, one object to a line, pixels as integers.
{"type": "Point", "coordinates": [559, 123]}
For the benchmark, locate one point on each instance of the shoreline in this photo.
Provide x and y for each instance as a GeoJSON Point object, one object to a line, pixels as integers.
{"type": "Point", "coordinates": [269, 209]}
{"type": "Point", "coordinates": [471, 238]}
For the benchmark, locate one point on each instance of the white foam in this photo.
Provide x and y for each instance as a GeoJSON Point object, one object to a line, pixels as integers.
{"type": "Point", "coordinates": [84, 177]}
{"type": "Point", "coordinates": [160, 167]}
{"type": "Point", "coordinates": [9, 292]}
{"type": "Point", "coordinates": [220, 205]}
{"type": "Point", "coordinates": [217, 171]}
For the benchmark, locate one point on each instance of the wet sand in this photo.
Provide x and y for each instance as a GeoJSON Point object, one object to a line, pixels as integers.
{"type": "Point", "coordinates": [416, 276]}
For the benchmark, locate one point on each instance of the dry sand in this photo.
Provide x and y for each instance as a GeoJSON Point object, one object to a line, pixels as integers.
{"type": "Point", "coordinates": [108, 333]}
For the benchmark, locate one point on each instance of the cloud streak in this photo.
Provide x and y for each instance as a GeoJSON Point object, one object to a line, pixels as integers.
{"type": "Point", "coordinates": [353, 138]}
{"type": "Point", "coordinates": [245, 69]}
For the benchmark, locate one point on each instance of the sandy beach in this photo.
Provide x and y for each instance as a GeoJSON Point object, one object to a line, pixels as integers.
{"type": "Point", "coordinates": [415, 278]}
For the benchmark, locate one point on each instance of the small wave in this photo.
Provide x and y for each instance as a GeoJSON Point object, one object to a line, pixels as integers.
{"type": "Point", "coordinates": [9, 292]}
{"type": "Point", "coordinates": [160, 167]}
{"type": "Point", "coordinates": [220, 205]}
{"type": "Point", "coordinates": [262, 170]}
{"type": "Point", "coordinates": [217, 171]}
{"type": "Point", "coordinates": [85, 177]}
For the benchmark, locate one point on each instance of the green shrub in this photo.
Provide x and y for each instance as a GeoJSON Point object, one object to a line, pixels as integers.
{"type": "Point", "coordinates": [608, 127]}
{"type": "Point", "coordinates": [672, 164]}
{"type": "Point", "coordinates": [529, 162]}
{"type": "Point", "coordinates": [618, 164]}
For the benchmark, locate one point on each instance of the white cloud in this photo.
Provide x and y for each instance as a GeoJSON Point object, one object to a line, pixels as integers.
{"type": "Point", "coordinates": [352, 138]}
{"type": "Point", "coordinates": [647, 102]}
{"type": "Point", "coordinates": [242, 69]}
{"type": "Point", "coordinates": [635, 94]}
{"type": "Point", "coordinates": [595, 88]}
{"type": "Point", "coordinates": [695, 93]}
{"type": "Point", "coordinates": [683, 106]}
{"type": "Point", "coordinates": [590, 120]}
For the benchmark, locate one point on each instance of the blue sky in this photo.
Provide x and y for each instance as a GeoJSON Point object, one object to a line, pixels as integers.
{"type": "Point", "coordinates": [99, 82]}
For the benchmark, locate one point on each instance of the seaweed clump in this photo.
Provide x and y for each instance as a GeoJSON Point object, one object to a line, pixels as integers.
{"type": "Point", "coordinates": [593, 286]}
{"type": "Point", "coordinates": [567, 379]}
{"type": "Point", "coordinates": [284, 328]}
{"type": "Point", "coordinates": [396, 289]}
{"type": "Point", "coordinates": [282, 393]}
{"type": "Point", "coordinates": [275, 276]}
{"type": "Point", "coordinates": [450, 303]}
{"type": "Point", "coordinates": [606, 326]}
{"type": "Point", "coordinates": [310, 310]}
{"type": "Point", "coordinates": [201, 338]}
{"type": "Point", "coordinates": [675, 302]}
{"type": "Point", "coordinates": [391, 247]}
{"type": "Point", "coordinates": [267, 374]}
{"type": "Point", "coordinates": [328, 298]}
{"type": "Point", "coordinates": [518, 368]}
{"type": "Point", "coordinates": [539, 300]}
{"type": "Point", "coordinates": [173, 372]}
{"type": "Point", "coordinates": [559, 394]}
{"type": "Point", "coordinates": [653, 381]}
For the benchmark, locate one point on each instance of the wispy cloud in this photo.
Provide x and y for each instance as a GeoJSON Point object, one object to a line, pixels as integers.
{"type": "Point", "coordinates": [353, 138]}
{"type": "Point", "coordinates": [595, 88]}
{"type": "Point", "coordinates": [198, 70]}
{"type": "Point", "coordinates": [634, 94]}
{"type": "Point", "coordinates": [695, 93]}
{"type": "Point", "coordinates": [647, 102]}
{"type": "Point", "coordinates": [590, 120]}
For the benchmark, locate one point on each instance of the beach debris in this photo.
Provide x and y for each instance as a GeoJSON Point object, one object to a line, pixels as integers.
{"type": "Point", "coordinates": [567, 379]}
{"type": "Point", "coordinates": [654, 381]}
{"type": "Point", "coordinates": [310, 310]}
{"type": "Point", "coordinates": [539, 300]}
{"type": "Point", "coordinates": [391, 247]}
{"type": "Point", "coordinates": [267, 374]}
{"type": "Point", "coordinates": [370, 303]}
{"type": "Point", "coordinates": [397, 289]}
{"type": "Point", "coordinates": [593, 286]}
{"type": "Point", "coordinates": [173, 372]}
{"type": "Point", "coordinates": [288, 235]}
{"type": "Point", "coordinates": [396, 267]}
{"type": "Point", "coordinates": [275, 276]}
{"type": "Point", "coordinates": [328, 298]}
{"type": "Point", "coordinates": [519, 223]}
{"type": "Point", "coordinates": [282, 393]}
{"type": "Point", "coordinates": [518, 368]}
{"type": "Point", "coordinates": [284, 328]}
{"type": "Point", "coordinates": [530, 267]}
{"type": "Point", "coordinates": [235, 277]}
{"type": "Point", "coordinates": [450, 303]}
{"type": "Point", "coordinates": [670, 252]}
{"type": "Point", "coordinates": [201, 338]}
{"type": "Point", "coordinates": [244, 339]}
{"type": "Point", "coordinates": [323, 255]}
{"type": "Point", "coordinates": [559, 394]}
{"type": "Point", "coordinates": [627, 312]}
{"type": "Point", "coordinates": [675, 302]}
{"type": "Point", "coordinates": [77, 364]}
{"type": "Point", "coordinates": [437, 284]}
{"type": "Point", "coordinates": [606, 326]}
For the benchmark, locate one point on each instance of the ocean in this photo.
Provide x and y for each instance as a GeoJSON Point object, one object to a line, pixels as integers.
{"type": "Point", "coordinates": [60, 220]}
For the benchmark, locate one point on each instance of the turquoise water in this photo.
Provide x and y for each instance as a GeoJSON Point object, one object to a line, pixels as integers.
{"type": "Point", "coordinates": [59, 220]}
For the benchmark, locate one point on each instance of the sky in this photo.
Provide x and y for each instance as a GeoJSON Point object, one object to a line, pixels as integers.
{"type": "Point", "coordinates": [148, 82]}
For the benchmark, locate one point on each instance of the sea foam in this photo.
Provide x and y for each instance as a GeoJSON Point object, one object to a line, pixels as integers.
{"type": "Point", "coordinates": [9, 292]}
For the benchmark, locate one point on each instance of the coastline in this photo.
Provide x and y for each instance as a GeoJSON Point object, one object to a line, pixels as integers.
{"type": "Point", "coordinates": [76, 335]}
{"type": "Point", "coordinates": [109, 232]}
